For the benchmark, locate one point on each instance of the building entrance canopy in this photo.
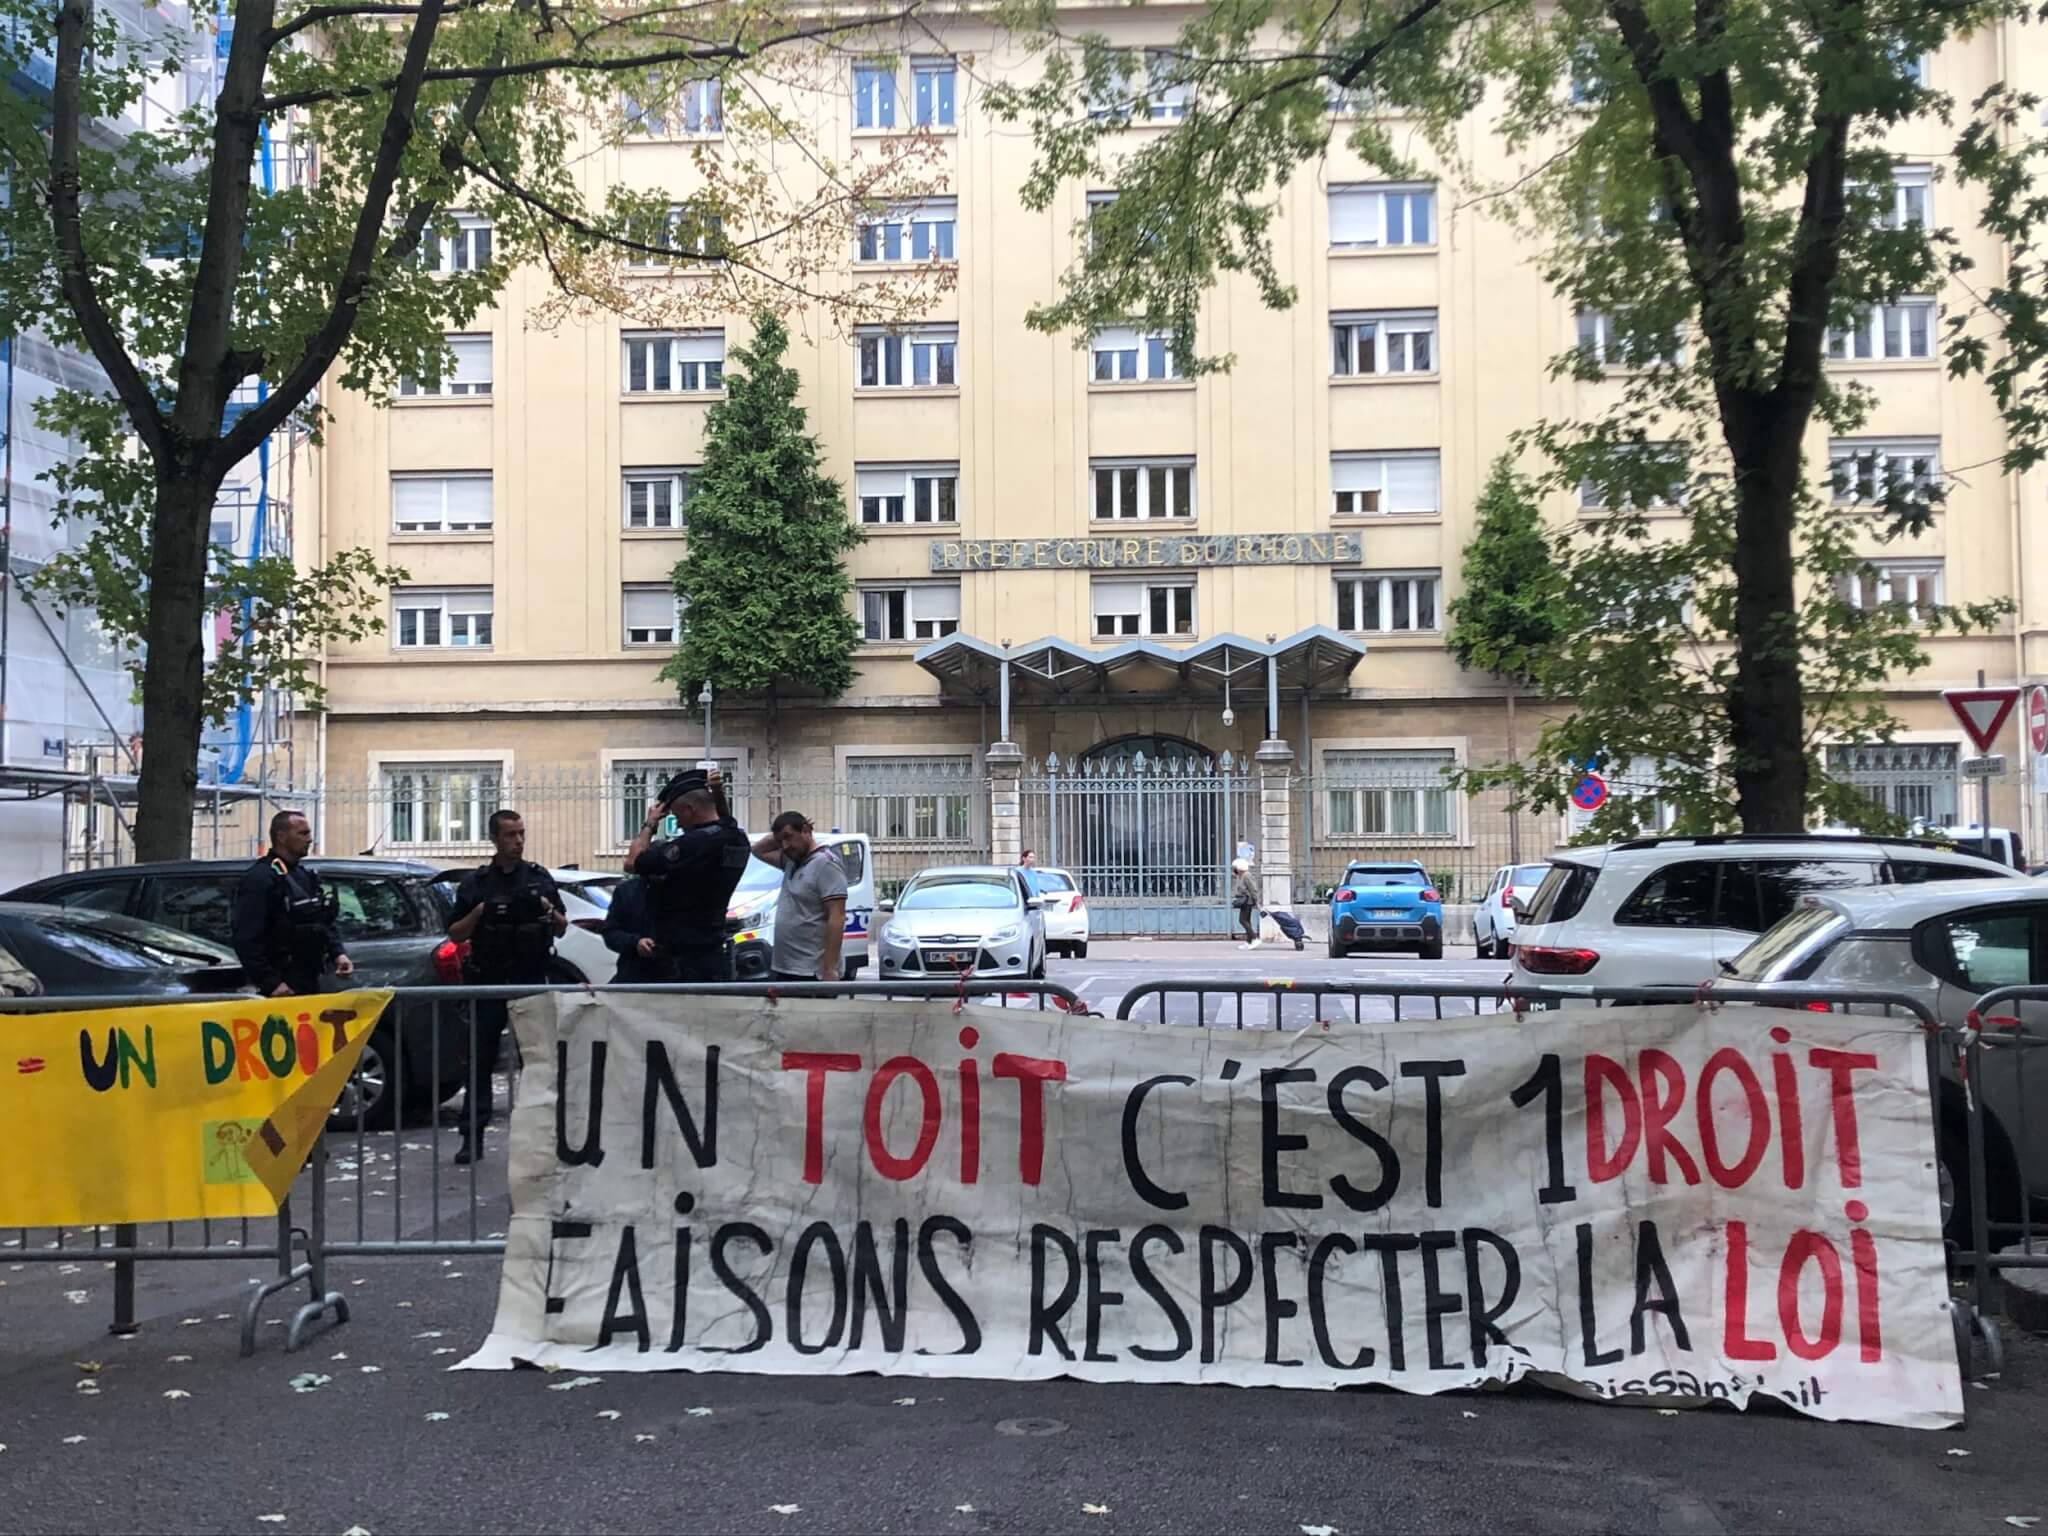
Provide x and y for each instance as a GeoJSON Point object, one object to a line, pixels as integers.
{"type": "Point", "coordinates": [1051, 669]}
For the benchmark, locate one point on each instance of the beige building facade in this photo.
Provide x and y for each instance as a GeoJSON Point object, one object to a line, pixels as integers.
{"type": "Point", "coordinates": [1186, 569]}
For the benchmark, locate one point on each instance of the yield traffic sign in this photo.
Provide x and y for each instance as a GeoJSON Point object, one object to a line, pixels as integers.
{"type": "Point", "coordinates": [2037, 719]}
{"type": "Point", "coordinates": [1982, 711]}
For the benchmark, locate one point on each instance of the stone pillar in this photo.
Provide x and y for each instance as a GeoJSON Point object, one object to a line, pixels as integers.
{"type": "Point", "coordinates": [1276, 808]}
{"type": "Point", "coordinates": [1005, 802]}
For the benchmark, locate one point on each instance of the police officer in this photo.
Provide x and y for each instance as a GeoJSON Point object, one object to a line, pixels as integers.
{"type": "Point", "coordinates": [691, 877]}
{"type": "Point", "coordinates": [284, 931]}
{"type": "Point", "coordinates": [629, 933]}
{"type": "Point", "coordinates": [510, 914]}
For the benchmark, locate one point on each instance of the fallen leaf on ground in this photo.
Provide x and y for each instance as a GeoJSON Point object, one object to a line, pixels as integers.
{"type": "Point", "coordinates": [90, 1367]}
{"type": "Point", "coordinates": [431, 1333]}
{"type": "Point", "coordinates": [963, 1509]}
{"type": "Point", "coordinates": [371, 1370]}
{"type": "Point", "coordinates": [1469, 1414]}
{"type": "Point", "coordinates": [437, 1418]}
{"type": "Point", "coordinates": [1319, 1530]}
{"type": "Point", "coordinates": [574, 1382]}
{"type": "Point", "coordinates": [359, 1280]}
{"type": "Point", "coordinates": [1954, 1452]}
{"type": "Point", "coordinates": [77, 1298]}
{"type": "Point", "coordinates": [340, 1354]}
{"type": "Point", "coordinates": [642, 1439]}
{"type": "Point", "coordinates": [177, 1360]}
{"type": "Point", "coordinates": [309, 1381]}
{"type": "Point", "coordinates": [785, 1509]}
{"type": "Point", "coordinates": [906, 1402]}
{"type": "Point", "coordinates": [698, 1413]}
{"type": "Point", "coordinates": [453, 1274]}
{"type": "Point", "coordinates": [271, 1519]}
{"type": "Point", "coordinates": [175, 1392]}
{"type": "Point", "coordinates": [89, 1387]}
{"type": "Point", "coordinates": [1094, 1509]}
{"type": "Point", "coordinates": [448, 1349]}
{"type": "Point", "coordinates": [2023, 1522]}
{"type": "Point", "coordinates": [405, 1306]}
{"type": "Point", "coordinates": [607, 1413]}
{"type": "Point", "coordinates": [74, 1439]}
{"type": "Point", "coordinates": [355, 1530]}
{"type": "Point", "coordinates": [1667, 1413]}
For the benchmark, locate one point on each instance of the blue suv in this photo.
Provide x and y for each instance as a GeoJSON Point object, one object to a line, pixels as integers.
{"type": "Point", "coordinates": [1387, 906]}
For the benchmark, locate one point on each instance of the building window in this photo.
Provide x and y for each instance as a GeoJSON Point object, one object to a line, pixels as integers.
{"type": "Point", "coordinates": [465, 247]}
{"type": "Point", "coordinates": [1167, 91]}
{"type": "Point", "coordinates": [1161, 609]}
{"type": "Point", "coordinates": [931, 92]}
{"type": "Point", "coordinates": [874, 96]}
{"type": "Point", "coordinates": [895, 495]}
{"type": "Point", "coordinates": [1111, 103]}
{"type": "Point", "coordinates": [1914, 585]}
{"type": "Point", "coordinates": [1385, 484]}
{"type": "Point", "coordinates": [1649, 479]}
{"type": "Point", "coordinates": [926, 358]}
{"type": "Point", "coordinates": [1901, 330]}
{"type": "Point", "coordinates": [1126, 356]}
{"type": "Point", "coordinates": [435, 803]}
{"type": "Point", "coordinates": [1389, 602]}
{"type": "Point", "coordinates": [684, 236]}
{"type": "Point", "coordinates": [441, 503]}
{"type": "Point", "coordinates": [1135, 491]}
{"type": "Point", "coordinates": [698, 111]}
{"type": "Point", "coordinates": [913, 232]}
{"type": "Point", "coordinates": [1866, 472]}
{"type": "Point", "coordinates": [1383, 343]}
{"type": "Point", "coordinates": [1389, 793]}
{"type": "Point", "coordinates": [895, 615]}
{"type": "Point", "coordinates": [674, 363]}
{"type": "Point", "coordinates": [434, 618]}
{"type": "Point", "coordinates": [1603, 345]}
{"type": "Point", "coordinates": [467, 372]}
{"type": "Point", "coordinates": [913, 799]}
{"type": "Point", "coordinates": [1908, 199]}
{"type": "Point", "coordinates": [655, 498]}
{"type": "Point", "coordinates": [1381, 215]}
{"type": "Point", "coordinates": [1913, 781]}
{"type": "Point", "coordinates": [654, 614]}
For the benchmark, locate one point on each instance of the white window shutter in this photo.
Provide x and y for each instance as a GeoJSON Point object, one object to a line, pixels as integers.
{"type": "Point", "coordinates": [701, 347]}
{"type": "Point", "coordinates": [416, 499]}
{"type": "Point", "coordinates": [935, 602]}
{"type": "Point", "coordinates": [472, 359]}
{"type": "Point", "coordinates": [1118, 597]}
{"type": "Point", "coordinates": [878, 482]}
{"type": "Point", "coordinates": [1354, 474]}
{"type": "Point", "coordinates": [1354, 217]}
{"type": "Point", "coordinates": [469, 500]}
{"type": "Point", "coordinates": [1412, 483]}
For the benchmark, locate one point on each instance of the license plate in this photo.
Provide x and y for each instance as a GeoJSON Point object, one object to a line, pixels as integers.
{"type": "Point", "coordinates": [953, 957]}
{"type": "Point", "coordinates": [1389, 912]}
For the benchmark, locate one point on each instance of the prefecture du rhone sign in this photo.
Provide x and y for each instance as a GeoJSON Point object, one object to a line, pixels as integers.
{"type": "Point", "coordinates": [1651, 1203]}
{"type": "Point", "coordinates": [1145, 551]}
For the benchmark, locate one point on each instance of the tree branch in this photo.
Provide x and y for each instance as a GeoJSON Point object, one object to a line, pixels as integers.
{"type": "Point", "coordinates": [326, 343]}
{"type": "Point", "coordinates": [1819, 239]}
{"type": "Point", "coordinates": [1415, 15]}
{"type": "Point", "coordinates": [701, 53]}
{"type": "Point", "coordinates": [319, 15]}
{"type": "Point", "coordinates": [74, 274]}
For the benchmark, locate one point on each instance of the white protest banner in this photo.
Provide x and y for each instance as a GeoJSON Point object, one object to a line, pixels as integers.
{"type": "Point", "coordinates": [1667, 1202]}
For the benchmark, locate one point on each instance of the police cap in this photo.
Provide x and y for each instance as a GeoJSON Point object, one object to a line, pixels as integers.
{"type": "Point", "coordinates": [683, 783]}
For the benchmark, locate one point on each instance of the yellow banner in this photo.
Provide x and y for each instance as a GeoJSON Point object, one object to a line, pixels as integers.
{"type": "Point", "coordinates": [170, 1113]}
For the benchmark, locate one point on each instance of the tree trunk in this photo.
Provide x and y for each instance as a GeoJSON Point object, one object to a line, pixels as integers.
{"type": "Point", "coordinates": [1766, 715]}
{"type": "Point", "coordinates": [1514, 756]}
{"type": "Point", "coordinates": [173, 667]}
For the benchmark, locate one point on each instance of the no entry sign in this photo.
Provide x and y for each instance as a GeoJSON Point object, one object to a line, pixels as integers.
{"type": "Point", "coordinates": [2037, 719]}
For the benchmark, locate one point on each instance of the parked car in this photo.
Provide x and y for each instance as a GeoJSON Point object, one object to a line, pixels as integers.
{"type": "Point", "coordinates": [969, 917]}
{"type": "Point", "coordinates": [1386, 906]}
{"type": "Point", "coordinates": [751, 916]}
{"type": "Point", "coordinates": [580, 954]}
{"type": "Point", "coordinates": [1065, 910]}
{"type": "Point", "coordinates": [1665, 911]}
{"type": "Point", "coordinates": [592, 885]}
{"type": "Point", "coordinates": [1946, 945]}
{"type": "Point", "coordinates": [83, 953]}
{"type": "Point", "coordinates": [1493, 916]}
{"type": "Point", "coordinates": [394, 922]}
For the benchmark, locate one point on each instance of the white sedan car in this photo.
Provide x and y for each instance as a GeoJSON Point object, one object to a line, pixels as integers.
{"type": "Point", "coordinates": [1065, 911]}
{"type": "Point", "coordinates": [974, 918]}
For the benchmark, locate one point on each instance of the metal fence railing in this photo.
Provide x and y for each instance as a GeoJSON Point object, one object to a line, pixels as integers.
{"type": "Point", "coordinates": [2004, 1077]}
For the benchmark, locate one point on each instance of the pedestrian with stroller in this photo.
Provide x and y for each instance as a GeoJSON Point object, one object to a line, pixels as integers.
{"type": "Point", "coordinates": [1244, 895]}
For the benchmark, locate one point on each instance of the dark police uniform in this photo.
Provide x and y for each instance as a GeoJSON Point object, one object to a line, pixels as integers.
{"type": "Point", "coordinates": [284, 928]}
{"type": "Point", "coordinates": [509, 947]}
{"type": "Point", "coordinates": [690, 881]}
{"type": "Point", "coordinates": [627, 921]}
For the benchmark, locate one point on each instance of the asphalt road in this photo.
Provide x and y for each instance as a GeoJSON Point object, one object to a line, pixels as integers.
{"type": "Point", "coordinates": [175, 1432]}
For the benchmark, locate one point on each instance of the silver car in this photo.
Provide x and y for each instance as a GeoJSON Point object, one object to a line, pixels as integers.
{"type": "Point", "coordinates": [1947, 945]}
{"type": "Point", "coordinates": [970, 917]}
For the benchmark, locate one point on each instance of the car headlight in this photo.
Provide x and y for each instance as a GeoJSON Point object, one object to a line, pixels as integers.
{"type": "Point", "coordinates": [898, 935]}
{"type": "Point", "coordinates": [1009, 933]}
{"type": "Point", "coordinates": [751, 913]}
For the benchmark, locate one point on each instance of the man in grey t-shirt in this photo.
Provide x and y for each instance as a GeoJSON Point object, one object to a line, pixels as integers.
{"type": "Point", "coordinates": [810, 916]}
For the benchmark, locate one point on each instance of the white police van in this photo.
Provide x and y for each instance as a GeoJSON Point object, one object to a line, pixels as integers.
{"type": "Point", "coordinates": [751, 917]}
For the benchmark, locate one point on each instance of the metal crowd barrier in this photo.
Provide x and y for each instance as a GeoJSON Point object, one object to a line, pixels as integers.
{"type": "Point", "coordinates": [2000, 1075]}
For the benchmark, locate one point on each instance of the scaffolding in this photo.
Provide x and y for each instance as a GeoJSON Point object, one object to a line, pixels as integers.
{"type": "Point", "coordinates": [69, 721]}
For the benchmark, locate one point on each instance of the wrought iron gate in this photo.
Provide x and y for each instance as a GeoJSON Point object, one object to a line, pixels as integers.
{"type": "Point", "coordinates": [1148, 840]}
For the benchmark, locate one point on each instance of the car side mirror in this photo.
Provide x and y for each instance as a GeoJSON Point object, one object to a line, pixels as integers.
{"type": "Point", "coordinates": [886, 904]}
{"type": "Point", "coordinates": [1034, 905]}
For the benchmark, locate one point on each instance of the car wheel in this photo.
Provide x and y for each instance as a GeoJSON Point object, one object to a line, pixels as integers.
{"type": "Point", "coordinates": [1483, 948]}
{"type": "Point", "coordinates": [1952, 1174]}
{"type": "Point", "coordinates": [1336, 948]}
{"type": "Point", "coordinates": [368, 1101]}
{"type": "Point", "coordinates": [1078, 951]}
{"type": "Point", "coordinates": [1433, 951]}
{"type": "Point", "coordinates": [849, 970]}
{"type": "Point", "coordinates": [1038, 970]}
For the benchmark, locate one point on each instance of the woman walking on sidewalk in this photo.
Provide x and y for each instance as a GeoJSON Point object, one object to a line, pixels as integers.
{"type": "Point", "coordinates": [1244, 894]}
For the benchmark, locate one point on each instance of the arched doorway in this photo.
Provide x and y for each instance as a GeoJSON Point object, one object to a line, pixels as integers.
{"type": "Point", "coordinates": [1147, 825]}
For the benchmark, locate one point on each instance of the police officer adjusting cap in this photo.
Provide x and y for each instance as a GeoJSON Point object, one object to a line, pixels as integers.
{"type": "Point", "coordinates": [683, 783]}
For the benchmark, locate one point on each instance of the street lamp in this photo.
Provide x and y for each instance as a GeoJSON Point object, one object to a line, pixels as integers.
{"type": "Point", "coordinates": [704, 698]}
